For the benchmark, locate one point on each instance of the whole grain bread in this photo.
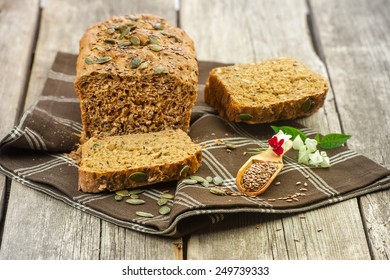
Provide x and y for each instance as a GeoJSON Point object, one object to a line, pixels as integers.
{"type": "Point", "coordinates": [128, 161]}
{"type": "Point", "coordinates": [275, 89]}
{"type": "Point", "coordinates": [135, 74]}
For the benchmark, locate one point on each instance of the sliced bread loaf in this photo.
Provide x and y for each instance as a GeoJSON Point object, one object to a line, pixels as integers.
{"type": "Point", "coordinates": [267, 91]}
{"type": "Point", "coordinates": [135, 74]}
{"type": "Point", "coordinates": [122, 162]}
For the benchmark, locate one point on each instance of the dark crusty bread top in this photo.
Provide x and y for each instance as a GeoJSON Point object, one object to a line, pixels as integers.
{"type": "Point", "coordinates": [125, 38]}
{"type": "Point", "coordinates": [135, 74]}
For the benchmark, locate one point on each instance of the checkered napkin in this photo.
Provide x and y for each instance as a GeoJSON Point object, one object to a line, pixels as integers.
{"type": "Point", "coordinates": [36, 154]}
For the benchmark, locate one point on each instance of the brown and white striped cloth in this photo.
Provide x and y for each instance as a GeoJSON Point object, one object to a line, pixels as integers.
{"type": "Point", "coordinates": [35, 153]}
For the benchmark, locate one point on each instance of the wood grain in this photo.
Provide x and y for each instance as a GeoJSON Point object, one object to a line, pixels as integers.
{"type": "Point", "coordinates": [19, 18]}
{"type": "Point", "coordinates": [265, 31]}
{"type": "Point", "coordinates": [38, 226]}
{"type": "Point", "coordinates": [357, 51]}
{"type": "Point", "coordinates": [354, 40]}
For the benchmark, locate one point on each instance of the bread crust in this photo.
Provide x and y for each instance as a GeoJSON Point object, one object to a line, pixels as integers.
{"type": "Point", "coordinates": [245, 93]}
{"type": "Point", "coordinates": [94, 182]}
{"type": "Point", "coordinates": [146, 85]}
{"type": "Point", "coordinates": [93, 178]}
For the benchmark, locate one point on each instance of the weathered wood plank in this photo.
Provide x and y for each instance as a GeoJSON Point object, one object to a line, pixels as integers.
{"type": "Point", "coordinates": [357, 51]}
{"type": "Point", "coordinates": [250, 31]}
{"type": "Point", "coordinates": [21, 18]}
{"type": "Point", "coordinates": [39, 227]}
{"type": "Point", "coordinates": [311, 235]}
{"type": "Point", "coordinates": [119, 243]}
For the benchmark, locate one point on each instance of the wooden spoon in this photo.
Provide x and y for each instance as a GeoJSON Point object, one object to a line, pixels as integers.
{"type": "Point", "coordinates": [268, 155]}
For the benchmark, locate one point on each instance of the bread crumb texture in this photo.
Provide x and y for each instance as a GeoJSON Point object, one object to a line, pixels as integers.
{"type": "Point", "coordinates": [135, 74]}
{"type": "Point", "coordinates": [128, 161]}
{"type": "Point", "coordinates": [275, 89]}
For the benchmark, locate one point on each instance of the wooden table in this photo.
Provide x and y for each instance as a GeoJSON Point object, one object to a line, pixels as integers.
{"type": "Point", "coordinates": [347, 41]}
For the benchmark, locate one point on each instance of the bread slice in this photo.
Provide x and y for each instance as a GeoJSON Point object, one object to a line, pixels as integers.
{"type": "Point", "coordinates": [123, 162]}
{"type": "Point", "coordinates": [267, 91]}
{"type": "Point", "coordinates": [135, 74]}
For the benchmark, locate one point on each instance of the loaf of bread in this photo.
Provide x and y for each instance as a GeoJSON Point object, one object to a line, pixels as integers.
{"type": "Point", "coordinates": [128, 161]}
{"type": "Point", "coordinates": [267, 91]}
{"type": "Point", "coordinates": [135, 74]}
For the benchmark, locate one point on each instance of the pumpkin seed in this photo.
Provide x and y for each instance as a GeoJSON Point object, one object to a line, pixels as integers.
{"type": "Point", "coordinates": [197, 178]}
{"type": "Point", "coordinates": [217, 181]}
{"type": "Point", "coordinates": [154, 40]}
{"type": "Point", "coordinates": [138, 177]}
{"type": "Point", "coordinates": [209, 179]}
{"type": "Point", "coordinates": [159, 70]}
{"type": "Point", "coordinates": [124, 44]}
{"type": "Point", "coordinates": [189, 181]}
{"type": "Point", "coordinates": [217, 191]}
{"type": "Point", "coordinates": [205, 184]}
{"type": "Point", "coordinates": [167, 195]}
{"type": "Point", "coordinates": [135, 196]}
{"type": "Point", "coordinates": [89, 60]}
{"type": "Point", "coordinates": [172, 36]}
{"type": "Point", "coordinates": [125, 30]}
{"type": "Point", "coordinates": [110, 30]}
{"type": "Point", "coordinates": [107, 47]}
{"type": "Point", "coordinates": [135, 62]}
{"type": "Point", "coordinates": [135, 40]}
{"type": "Point", "coordinates": [158, 26]}
{"type": "Point", "coordinates": [103, 59]}
{"type": "Point", "coordinates": [307, 105]}
{"type": "Point", "coordinates": [230, 146]}
{"type": "Point", "coordinates": [135, 201]}
{"type": "Point", "coordinates": [136, 191]}
{"type": "Point", "coordinates": [245, 117]}
{"type": "Point", "coordinates": [144, 214]}
{"type": "Point", "coordinates": [109, 41]}
{"type": "Point", "coordinates": [184, 171]}
{"type": "Point", "coordinates": [122, 193]}
{"type": "Point", "coordinates": [155, 47]}
{"type": "Point", "coordinates": [144, 65]}
{"type": "Point", "coordinates": [118, 197]}
{"type": "Point", "coordinates": [165, 210]}
{"type": "Point", "coordinates": [162, 201]}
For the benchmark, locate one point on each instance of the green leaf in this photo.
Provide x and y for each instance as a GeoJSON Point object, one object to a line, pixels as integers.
{"type": "Point", "coordinates": [294, 132]}
{"type": "Point", "coordinates": [333, 140]}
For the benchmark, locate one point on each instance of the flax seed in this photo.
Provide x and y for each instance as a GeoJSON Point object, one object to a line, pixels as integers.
{"type": "Point", "coordinates": [257, 175]}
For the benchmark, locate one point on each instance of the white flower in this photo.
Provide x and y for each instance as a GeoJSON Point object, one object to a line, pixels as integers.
{"type": "Point", "coordinates": [311, 145]}
{"type": "Point", "coordinates": [303, 155]}
{"type": "Point", "coordinates": [308, 153]}
{"type": "Point", "coordinates": [325, 160]}
{"type": "Point", "coordinates": [297, 143]}
{"type": "Point", "coordinates": [315, 158]}
{"type": "Point", "coordinates": [280, 135]}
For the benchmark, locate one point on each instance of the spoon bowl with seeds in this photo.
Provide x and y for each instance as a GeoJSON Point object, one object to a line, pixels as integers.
{"type": "Point", "coordinates": [257, 174]}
